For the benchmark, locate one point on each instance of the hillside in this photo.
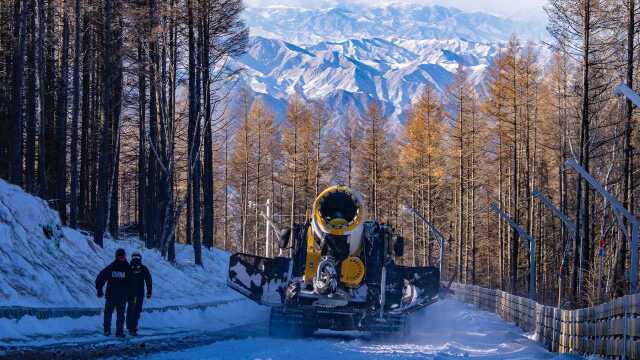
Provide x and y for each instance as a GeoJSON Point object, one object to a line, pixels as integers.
{"type": "Point", "coordinates": [35, 272]}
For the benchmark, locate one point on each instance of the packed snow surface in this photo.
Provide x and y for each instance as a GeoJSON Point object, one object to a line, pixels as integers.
{"type": "Point", "coordinates": [445, 330]}
{"type": "Point", "coordinates": [87, 330]}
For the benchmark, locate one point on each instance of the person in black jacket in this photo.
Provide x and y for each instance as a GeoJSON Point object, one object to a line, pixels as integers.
{"type": "Point", "coordinates": [139, 276]}
{"type": "Point", "coordinates": [116, 276]}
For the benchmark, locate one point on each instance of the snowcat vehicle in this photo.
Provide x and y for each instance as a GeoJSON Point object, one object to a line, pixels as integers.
{"type": "Point", "coordinates": [341, 276]}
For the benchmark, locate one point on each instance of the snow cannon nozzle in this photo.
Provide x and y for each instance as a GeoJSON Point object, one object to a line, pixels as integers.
{"type": "Point", "coordinates": [338, 210]}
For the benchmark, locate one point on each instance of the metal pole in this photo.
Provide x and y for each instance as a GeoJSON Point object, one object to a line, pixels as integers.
{"type": "Point", "coordinates": [268, 228]}
{"type": "Point", "coordinates": [564, 218]}
{"type": "Point", "coordinates": [618, 209]}
{"type": "Point", "coordinates": [441, 257]}
{"type": "Point", "coordinates": [572, 229]}
{"type": "Point", "coordinates": [627, 92]}
{"type": "Point", "coordinates": [532, 270]}
{"type": "Point", "coordinates": [532, 249]}
{"type": "Point", "coordinates": [634, 257]}
{"type": "Point", "coordinates": [433, 230]}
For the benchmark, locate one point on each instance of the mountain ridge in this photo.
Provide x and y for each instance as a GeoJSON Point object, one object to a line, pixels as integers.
{"type": "Point", "coordinates": [345, 71]}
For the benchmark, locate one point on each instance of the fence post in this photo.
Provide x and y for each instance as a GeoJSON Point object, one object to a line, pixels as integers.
{"type": "Point", "coordinates": [626, 330]}
{"type": "Point", "coordinates": [554, 328]}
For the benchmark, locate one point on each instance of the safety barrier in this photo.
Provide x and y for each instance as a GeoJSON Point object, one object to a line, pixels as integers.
{"type": "Point", "coordinates": [17, 312]}
{"type": "Point", "coordinates": [611, 330]}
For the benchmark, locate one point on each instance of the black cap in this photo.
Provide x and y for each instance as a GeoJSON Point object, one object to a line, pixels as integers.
{"type": "Point", "coordinates": [120, 252]}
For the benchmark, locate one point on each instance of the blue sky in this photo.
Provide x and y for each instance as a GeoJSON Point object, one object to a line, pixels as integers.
{"type": "Point", "coordinates": [520, 8]}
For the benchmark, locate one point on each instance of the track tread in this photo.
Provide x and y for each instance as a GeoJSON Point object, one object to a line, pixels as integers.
{"type": "Point", "coordinates": [390, 325]}
{"type": "Point", "coordinates": [290, 323]}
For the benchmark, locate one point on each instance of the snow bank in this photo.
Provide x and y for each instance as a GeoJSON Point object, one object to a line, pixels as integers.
{"type": "Point", "coordinates": [32, 332]}
{"type": "Point", "coordinates": [43, 264]}
{"type": "Point", "coordinates": [35, 272]}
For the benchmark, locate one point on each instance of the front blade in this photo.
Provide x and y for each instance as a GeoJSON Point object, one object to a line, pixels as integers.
{"type": "Point", "coordinates": [425, 278]}
{"type": "Point", "coordinates": [419, 286]}
{"type": "Point", "coordinates": [263, 280]}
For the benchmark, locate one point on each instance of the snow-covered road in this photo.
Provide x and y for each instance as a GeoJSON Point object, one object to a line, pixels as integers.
{"type": "Point", "coordinates": [446, 330]}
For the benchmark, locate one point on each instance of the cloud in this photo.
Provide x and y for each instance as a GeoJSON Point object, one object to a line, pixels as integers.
{"type": "Point", "coordinates": [509, 8]}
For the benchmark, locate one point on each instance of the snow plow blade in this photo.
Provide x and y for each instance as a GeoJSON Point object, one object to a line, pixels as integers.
{"type": "Point", "coordinates": [420, 286]}
{"type": "Point", "coordinates": [263, 280]}
{"type": "Point", "coordinates": [425, 278]}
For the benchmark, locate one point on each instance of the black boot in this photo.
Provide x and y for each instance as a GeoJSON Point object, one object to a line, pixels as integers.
{"type": "Point", "coordinates": [120, 334]}
{"type": "Point", "coordinates": [107, 332]}
{"type": "Point", "coordinates": [133, 332]}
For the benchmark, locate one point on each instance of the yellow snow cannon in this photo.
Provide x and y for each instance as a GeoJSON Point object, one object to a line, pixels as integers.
{"type": "Point", "coordinates": [342, 275]}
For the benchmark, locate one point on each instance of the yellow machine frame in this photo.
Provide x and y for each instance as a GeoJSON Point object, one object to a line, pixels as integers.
{"type": "Point", "coordinates": [352, 269]}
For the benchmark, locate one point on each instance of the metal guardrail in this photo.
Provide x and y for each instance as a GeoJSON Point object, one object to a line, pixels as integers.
{"type": "Point", "coordinates": [18, 312]}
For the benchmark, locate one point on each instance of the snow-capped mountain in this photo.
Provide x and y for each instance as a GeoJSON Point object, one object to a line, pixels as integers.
{"type": "Point", "coordinates": [415, 22]}
{"type": "Point", "coordinates": [348, 57]}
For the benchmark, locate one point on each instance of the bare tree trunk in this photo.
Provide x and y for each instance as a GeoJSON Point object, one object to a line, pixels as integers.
{"type": "Point", "coordinates": [582, 192]}
{"type": "Point", "coordinates": [31, 103]}
{"type": "Point", "coordinates": [114, 204]}
{"type": "Point", "coordinates": [514, 189]}
{"type": "Point", "coordinates": [245, 176]}
{"type": "Point", "coordinates": [16, 138]}
{"type": "Point", "coordinates": [197, 245]}
{"type": "Point", "coordinates": [84, 203]}
{"type": "Point", "coordinates": [461, 200]}
{"type": "Point", "coordinates": [49, 103]}
{"type": "Point", "coordinates": [153, 212]}
{"type": "Point", "coordinates": [226, 187]}
{"type": "Point", "coordinates": [106, 155]}
{"type": "Point", "coordinates": [472, 233]}
{"type": "Point", "coordinates": [61, 122]}
{"type": "Point", "coordinates": [414, 225]}
{"type": "Point", "coordinates": [374, 178]}
{"type": "Point", "coordinates": [319, 123]}
{"type": "Point", "coordinates": [294, 176]}
{"type": "Point", "coordinates": [208, 222]}
{"type": "Point", "coordinates": [142, 155]}
{"type": "Point", "coordinates": [193, 162]}
{"type": "Point", "coordinates": [627, 193]}
{"type": "Point", "coordinates": [42, 86]}
{"type": "Point", "coordinates": [73, 221]}
{"type": "Point", "coordinates": [501, 202]}
{"type": "Point", "coordinates": [257, 192]}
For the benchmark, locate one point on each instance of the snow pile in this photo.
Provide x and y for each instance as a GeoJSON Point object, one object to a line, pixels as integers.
{"type": "Point", "coordinates": [32, 332]}
{"type": "Point", "coordinates": [35, 272]}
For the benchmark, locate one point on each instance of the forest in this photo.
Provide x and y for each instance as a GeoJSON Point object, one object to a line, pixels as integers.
{"type": "Point", "coordinates": [123, 115]}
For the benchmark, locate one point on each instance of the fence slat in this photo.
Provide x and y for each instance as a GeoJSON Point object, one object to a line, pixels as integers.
{"type": "Point", "coordinates": [611, 330]}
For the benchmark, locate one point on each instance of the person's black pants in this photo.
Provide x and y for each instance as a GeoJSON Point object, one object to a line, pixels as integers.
{"type": "Point", "coordinates": [119, 305]}
{"type": "Point", "coordinates": [134, 309]}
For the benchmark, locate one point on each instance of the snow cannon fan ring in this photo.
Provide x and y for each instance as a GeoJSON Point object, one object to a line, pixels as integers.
{"type": "Point", "coordinates": [338, 210]}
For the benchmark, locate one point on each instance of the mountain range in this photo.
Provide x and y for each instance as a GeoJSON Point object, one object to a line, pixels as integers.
{"type": "Point", "coordinates": [350, 56]}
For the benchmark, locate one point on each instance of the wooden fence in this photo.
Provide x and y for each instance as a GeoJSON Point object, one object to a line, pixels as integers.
{"type": "Point", "coordinates": [611, 330]}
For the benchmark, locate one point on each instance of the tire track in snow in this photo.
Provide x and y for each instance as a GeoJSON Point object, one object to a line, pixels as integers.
{"type": "Point", "coordinates": [130, 348]}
